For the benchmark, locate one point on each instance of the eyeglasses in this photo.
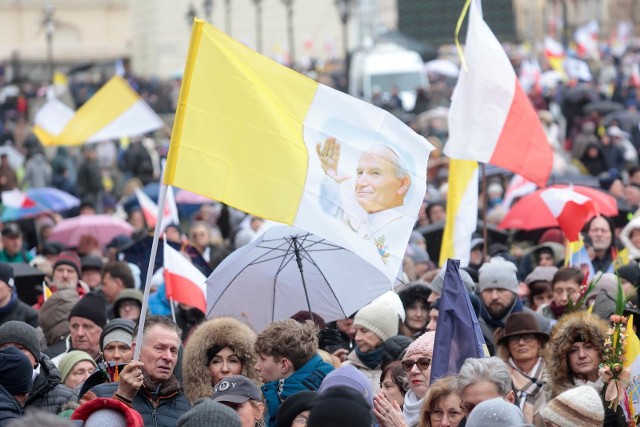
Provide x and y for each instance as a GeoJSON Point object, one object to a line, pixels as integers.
{"type": "Point", "coordinates": [423, 363]}
{"type": "Point", "coordinates": [527, 338]}
{"type": "Point", "coordinates": [438, 415]}
{"type": "Point", "coordinates": [299, 421]}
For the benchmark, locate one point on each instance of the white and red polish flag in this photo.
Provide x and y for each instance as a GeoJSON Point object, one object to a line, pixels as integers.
{"type": "Point", "coordinates": [150, 209]}
{"type": "Point", "coordinates": [491, 119]}
{"type": "Point", "coordinates": [17, 199]}
{"type": "Point", "coordinates": [571, 209]}
{"type": "Point", "coordinates": [183, 281]}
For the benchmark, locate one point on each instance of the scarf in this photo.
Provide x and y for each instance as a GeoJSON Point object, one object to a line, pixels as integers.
{"type": "Point", "coordinates": [12, 304]}
{"type": "Point", "coordinates": [557, 310]}
{"type": "Point", "coordinates": [411, 408]}
{"type": "Point", "coordinates": [528, 385]}
{"type": "Point", "coordinates": [499, 323]}
{"type": "Point", "coordinates": [371, 359]}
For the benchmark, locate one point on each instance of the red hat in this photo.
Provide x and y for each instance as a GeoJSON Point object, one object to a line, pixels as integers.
{"type": "Point", "coordinates": [84, 411]}
{"type": "Point", "coordinates": [68, 258]}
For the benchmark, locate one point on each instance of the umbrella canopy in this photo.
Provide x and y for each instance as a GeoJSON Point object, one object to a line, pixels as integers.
{"type": "Point", "coordinates": [287, 270]}
{"type": "Point", "coordinates": [53, 199]}
{"type": "Point", "coordinates": [602, 107]}
{"type": "Point", "coordinates": [16, 159]}
{"type": "Point", "coordinates": [185, 197]}
{"type": "Point", "coordinates": [102, 227]}
{"type": "Point", "coordinates": [531, 212]}
{"type": "Point", "coordinates": [626, 119]}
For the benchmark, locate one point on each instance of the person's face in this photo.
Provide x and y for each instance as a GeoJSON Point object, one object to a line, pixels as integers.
{"type": "Point", "coordinates": [418, 379]}
{"type": "Point", "coordinates": [632, 195]}
{"type": "Point", "coordinates": [23, 349]}
{"type": "Point", "coordinates": [12, 243]}
{"type": "Point", "coordinates": [377, 185]}
{"type": "Point", "coordinates": [476, 393]}
{"type": "Point", "coordinates": [224, 364]}
{"type": "Point", "coordinates": [524, 348]}
{"type": "Point", "coordinates": [85, 335]}
{"type": "Point", "coordinates": [497, 301]}
{"type": "Point", "coordinates": [432, 297]}
{"type": "Point", "coordinates": [159, 352]}
{"type": "Point", "coordinates": [565, 290]}
{"type": "Point", "coordinates": [416, 315]}
{"type": "Point", "coordinates": [437, 213]}
{"type": "Point", "coordinates": [5, 292]}
{"type": "Point", "coordinates": [592, 152]}
{"type": "Point", "coordinates": [475, 257]}
{"type": "Point", "coordinates": [346, 327]}
{"type": "Point", "coordinates": [635, 237]}
{"type": "Point", "coordinates": [366, 340]}
{"type": "Point", "coordinates": [433, 319]}
{"type": "Point", "coordinates": [447, 412]}
{"type": "Point", "coordinates": [79, 374]}
{"type": "Point", "coordinates": [248, 413]}
{"type": "Point", "coordinates": [267, 368]}
{"type": "Point", "coordinates": [301, 419]}
{"type": "Point", "coordinates": [65, 277]}
{"type": "Point", "coordinates": [545, 260]}
{"type": "Point", "coordinates": [600, 234]}
{"type": "Point", "coordinates": [543, 298]}
{"type": "Point", "coordinates": [91, 277]}
{"type": "Point", "coordinates": [136, 219]}
{"type": "Point", "coordinates": [130, 309]}
{"type": "Point", "coordinates": [391, 390]}
{"type": "Point", "coordinates": [118, 352]}
{"type": "Point", "coordinates": [173, 235]}
{"type": "Point", "coordinates": [111, 287]}
{"type": "Point", "coordinates": [584, 359]}
{"type": "Point", "coordinates": [628, 288]}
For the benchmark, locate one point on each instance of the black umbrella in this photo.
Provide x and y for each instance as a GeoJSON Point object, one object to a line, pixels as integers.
{"type": "Point", "coordinates": [433, 236]}
{"type": "Point", "coordinates": [626, 119]}
{"type": "Point", "coordinates": [602, 107]}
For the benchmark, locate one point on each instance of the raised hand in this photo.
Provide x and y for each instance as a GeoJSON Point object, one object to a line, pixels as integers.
{"type": "Point", "coordinates": [329, 155]}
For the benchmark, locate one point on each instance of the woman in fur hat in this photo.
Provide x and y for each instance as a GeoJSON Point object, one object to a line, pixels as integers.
{"type": "Point", "coordinates": [217, 349]}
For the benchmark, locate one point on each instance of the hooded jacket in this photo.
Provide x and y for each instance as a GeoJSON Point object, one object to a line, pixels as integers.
{"type": "Point", "coordinates": [221, 332]}
{"type": "Point", "coordinates": [54, 317]}
{"type": "Point", "coordinates": [625, 237]}
{"type": "Point", "coordinates": [10, 409]}
{"type": "Point", "coordinates": [48, 393]}
{"type": "Point", "coordinates": [564, 334]}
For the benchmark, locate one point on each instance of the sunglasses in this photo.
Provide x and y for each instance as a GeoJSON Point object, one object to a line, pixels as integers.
{"type": "Point", "coordinates": [423, 363]}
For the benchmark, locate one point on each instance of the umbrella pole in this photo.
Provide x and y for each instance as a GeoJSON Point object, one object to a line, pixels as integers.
{"type": "Point", "coordinates": [485, 202]}
{"type": "Point", "coordinates": [173, 310]}
{"type": "Point", "coordinates": [296, 250]}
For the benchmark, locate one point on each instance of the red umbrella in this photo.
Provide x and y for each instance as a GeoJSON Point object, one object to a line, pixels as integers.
{"type": "Point", "coordinates": [531, 212]}
{"type": "Point", "coordinates": [102, 227]}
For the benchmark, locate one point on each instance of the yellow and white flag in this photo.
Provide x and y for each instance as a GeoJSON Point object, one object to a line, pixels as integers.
{"type": "Point", "coordinates": [115, 111]}
{"type": "Point", "coordinates": [264, 139]}
{"type": "Point", "coordinates": [462, 212]}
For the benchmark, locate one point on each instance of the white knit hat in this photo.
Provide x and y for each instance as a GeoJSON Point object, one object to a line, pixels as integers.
{"type": "Point", "coordinates": [577, 407]}
{"type": "Point", "coordinates": [106, 417]}
{"type": "Point", "coordinates": [391, 299]}
{"type": "Point", "coordinates": [380, 319]}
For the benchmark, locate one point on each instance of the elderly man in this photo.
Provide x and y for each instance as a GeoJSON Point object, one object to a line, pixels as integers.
{"type": "Point", "coordinates": [48, 394]}
{"type": "Point", "coordinates": [66, 275]}
{"type": "Point", "coordinates": [600, 231]}
{"type": "Point", "coordinates": [149, 385]}
{"type": "Point", "coordinates": [11, 308]}
{"type": "Point", "coordinates": [86, 320]}
{"type": "Point", "coordinates": [484, 379]}
{"type": "Point", "coordinates": [12, 250]}
{"type": "Point", "coordinates": [498, 286]}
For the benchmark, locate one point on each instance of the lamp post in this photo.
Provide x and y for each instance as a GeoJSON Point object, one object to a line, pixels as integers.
{"type": "Point", "coordinates": [345, 8]}
{"type": "Point", "coordinates": [207, 5]}
{"type": "Point", "coordinates": [49, 29]}
{"type": "Point", "coordinates": [227, 16]}
{"type": "Point", "coordinates": [289, 5]}
{"type": "Point", "coordinates": [258, 4]}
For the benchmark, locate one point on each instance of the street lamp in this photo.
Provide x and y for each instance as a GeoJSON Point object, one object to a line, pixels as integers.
{"type": "Point", "coordinates": [49, 29]}
{"type": "Point", "coordinates": [345, 7]}
{"type": "Point", "coordinates": [289, 5]}
{"type": "Point", "coordinates": [258, 4]}
{"type": "Point", "coordinates": [207, 5]}
{"type": "Point", "coordinates": [191, 15]}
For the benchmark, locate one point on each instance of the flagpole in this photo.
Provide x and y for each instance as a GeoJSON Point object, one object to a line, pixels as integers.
{"type": "Point", "coordinates": [485, 202]}
{"type": "Point", "coordinates": [173, 310]}
{"type": "Point", "coordinates": [147, 286]}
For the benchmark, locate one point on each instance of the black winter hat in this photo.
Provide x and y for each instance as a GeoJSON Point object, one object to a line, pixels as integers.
{"type": "Point", "coordinates": [413, 293]}
{"type": "Point", "coordinates": [92, 307]}
{"type": "Point", "coordinates": [293, 405]}
{"type": "Point", "coordinates": [340, 406]}
{"type": "Point", "coordinates": [121, 323]}
{"type": "Point", "coordinates": [6, 273]}
{"type": "Point", "coordinates": [393, 348]}
{"type": "Point", "coordinates": [630, 272]}
{"type": "Point", "coordinates": [16, 372]}
{"type": "Point", "coordinates": [15, 331]}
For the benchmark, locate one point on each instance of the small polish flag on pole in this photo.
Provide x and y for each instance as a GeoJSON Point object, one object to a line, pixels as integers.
{"type": "Point", "coordinates": [150, 209]}
{"type": "Point", "coordinates": [184, 283]}
{"type": "Point", "coordinates": [571, 209]}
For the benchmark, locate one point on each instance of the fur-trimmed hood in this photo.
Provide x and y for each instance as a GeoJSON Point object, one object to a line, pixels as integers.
{"type": "Point", "coordinates": [223, 332]}
{"type": "Point", "coordinates": [563, 336]}
{"type": "Point", "coordinates": [625, 237]}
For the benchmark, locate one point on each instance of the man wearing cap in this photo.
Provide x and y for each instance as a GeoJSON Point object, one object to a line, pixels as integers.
{"type": "Point", "coordinates": [86, 320]}
{"type": "Point", "coordinates": [66, 275]}
{"type": "Point", "coordinates": [149, 385]}
{"type": "Point", "coordinates": [91, 271]}
{"type": "Point", "coordinates": [12, 250]}
{"type": "Point", "coordinates": [116, 340]}
{"type": "Point", "coordinates": [15, 384]}
{"type": "Point", "coordinates": [11, 308]}
{"type": "Point", "coordinates": [498, 286]}
{"type": "Point", "coordinates": [48, 394]}
{"type": "Point", "coordinates": [241, 394]}
{"type": "Point", "coordinates": [128, 304]}
{"type": "Point", "coordinates": [438, 282]}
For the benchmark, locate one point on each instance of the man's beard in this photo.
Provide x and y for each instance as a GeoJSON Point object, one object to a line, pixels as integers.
{"type": "Point", "coordinates": [498, 312]}
{"type": "Point", "coordinates": [64, 284]}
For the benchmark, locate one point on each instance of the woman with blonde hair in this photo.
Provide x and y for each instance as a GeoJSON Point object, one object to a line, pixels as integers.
{"type": "Point", "coordinates": [441, 406]}
{"type": "Point", "coordinates": [218, 349]}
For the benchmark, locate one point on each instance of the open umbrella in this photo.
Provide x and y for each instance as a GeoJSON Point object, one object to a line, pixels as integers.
{"type": "Point", "coordinates": [33, 202]}
{"type": "Point", "coordinates": [53, 199]}
{"type": "Point", "coordinates": [286, 270]}
{"type": "Point", "coordinates": [602, 107]}
{"type": "Point", "coordinates": [626, 119]}
{"type": "Point", "coordinates": [531, 212]}
{"type": "Point", "coordinates": [102, 227]}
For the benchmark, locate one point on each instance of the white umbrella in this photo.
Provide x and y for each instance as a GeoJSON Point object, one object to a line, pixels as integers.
{"type": "Point", "coordinates": [287, 270]}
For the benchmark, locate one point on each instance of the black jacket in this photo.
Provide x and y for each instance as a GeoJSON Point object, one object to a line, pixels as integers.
{"type": "Point", "coordinates": [9, 408]}
{"type": "Point", "coordinates": [48, 393]}
{"type": "Point", "coordinates": [21, 312]}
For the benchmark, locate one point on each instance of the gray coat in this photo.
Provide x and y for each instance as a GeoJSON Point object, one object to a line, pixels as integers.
{"type": "Point", "coordinates": [49, 394]}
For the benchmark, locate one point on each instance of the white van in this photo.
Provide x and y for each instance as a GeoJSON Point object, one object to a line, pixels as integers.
{"type": "Point", "coordinates": [384, 66]}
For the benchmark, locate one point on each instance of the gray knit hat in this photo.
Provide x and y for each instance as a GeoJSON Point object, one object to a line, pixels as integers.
{"type": "Point", "coordinates": [15, 331]}
{"type": "Point", "coordinates": [206, 412]}
{"type": "Point", "coordinates": [576, 407]}
{"type": "Point", "coordinates": [380, 319]}
{"type": "Point", "coordinates": [438, 282]}
{"type": "Point", "coordinates": [498, 274]}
